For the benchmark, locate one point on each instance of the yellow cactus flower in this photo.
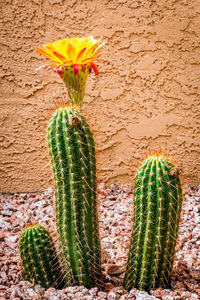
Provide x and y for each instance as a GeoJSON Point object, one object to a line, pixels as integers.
{"type": "Point", "coordinates": [73, 59]}
{"type": "Point", "coordinates": [76, 52]}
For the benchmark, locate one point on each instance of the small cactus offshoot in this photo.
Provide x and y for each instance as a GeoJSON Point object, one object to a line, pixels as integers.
{"type": "Point", "coordinates": [72, 152]}
{"type": "Point", "coordinates": [38, 257]}
{"type": "Point", "coordinates": [157, 208]}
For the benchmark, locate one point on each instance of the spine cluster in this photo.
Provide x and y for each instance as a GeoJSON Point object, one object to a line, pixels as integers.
{"type": "Point", "coordinates": [157, 208]}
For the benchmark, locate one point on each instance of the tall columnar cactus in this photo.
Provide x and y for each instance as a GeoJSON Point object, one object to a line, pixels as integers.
{"type": "Point", "coordinates": [72, 152]}
{"type": "Point", "coordinates": [157, 208]}
{"type": "Point", "coordinates": [38, 257]}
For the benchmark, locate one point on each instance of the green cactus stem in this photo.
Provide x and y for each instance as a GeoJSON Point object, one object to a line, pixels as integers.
{"type": "Point", "coordinates": [72, 152]}
{"type": "Point", "coordinates": [75, 82]}
{"type": "Point", "coordinates": [38, 257]}
{"type": "Point", "coordinates": [157, 208]}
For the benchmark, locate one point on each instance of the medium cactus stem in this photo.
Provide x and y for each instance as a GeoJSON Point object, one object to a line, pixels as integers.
{"type": "Point", "coordinates": [158, 200]}
{"type": "Point", "coordinates": [39, 259]}
{"type": "Point", "coordinates": [72, 152]}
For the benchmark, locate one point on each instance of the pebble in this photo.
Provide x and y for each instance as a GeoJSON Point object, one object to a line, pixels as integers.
{"type": "Point", "coordinates": [195, 273]}
{"type": "Point", "coordinates": [93, 291]}
{"type": "Point", "coordinates": [115, 269]}
{"type": "Point", "coordinates": [112, 197]}
{"type": "Point", "coordinates": [7, 212]}
{"type": "Point", "coordinates": [102, 189]}
{"type": "Point", "coordinates": [102, 295]}
{"type": "Point", "coordinates": [53, 297]}
{"type": "Point", "coordinates": [112, 296]}
{"type": "Point", "coordinates": [196, 208]}
{"type": "Point", "coordinates": [140, 295]}
{"type": "Point", "coordinates": [4, 224]}
{"type": "Point", "coordinates": [11, 238]}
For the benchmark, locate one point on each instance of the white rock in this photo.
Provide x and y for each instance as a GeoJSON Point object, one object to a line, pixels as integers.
{"type": "Point", "coordinates": [144, 296]}
{"type": "Point", "coordinates": [4, 224]}
{"type": "Point", "coordinates": [11, 239]}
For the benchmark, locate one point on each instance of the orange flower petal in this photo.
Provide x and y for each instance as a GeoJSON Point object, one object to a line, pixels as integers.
{"type": "Point", "coordinates": [80, 54]}
{"type": "Point", "coordinates": [60, 56]}
{"type": "Point", "coordinates": [43, 52]}
{"type": "Point", "coordinates": [72, 52]}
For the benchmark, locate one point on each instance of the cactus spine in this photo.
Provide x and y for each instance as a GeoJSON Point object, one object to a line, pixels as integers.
{"type": "Point", "coordinates": [38, 257]}
{"type": "Point", "coordinates": [72, 152]}
{"type": "Point", "coordinates": [157, 208]}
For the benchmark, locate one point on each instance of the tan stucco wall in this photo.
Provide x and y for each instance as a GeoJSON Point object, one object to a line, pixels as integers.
{"type": "Point", "coordinates": [146, 99]}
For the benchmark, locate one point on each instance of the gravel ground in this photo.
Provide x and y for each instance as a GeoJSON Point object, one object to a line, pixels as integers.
{"type": "Point", "coordinates": [115, 212]}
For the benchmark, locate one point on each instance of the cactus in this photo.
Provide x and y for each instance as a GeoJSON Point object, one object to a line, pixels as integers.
{"type": "Point", "coordinates": [72, 152]}
{"type": "Point", "coordinates": [38, 257]}
{"type": "Point", "coordinates": [157, 208]}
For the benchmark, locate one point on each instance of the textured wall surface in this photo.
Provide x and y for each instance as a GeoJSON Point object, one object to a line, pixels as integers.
{"type": "Point", "coordinates": [146, 99]}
